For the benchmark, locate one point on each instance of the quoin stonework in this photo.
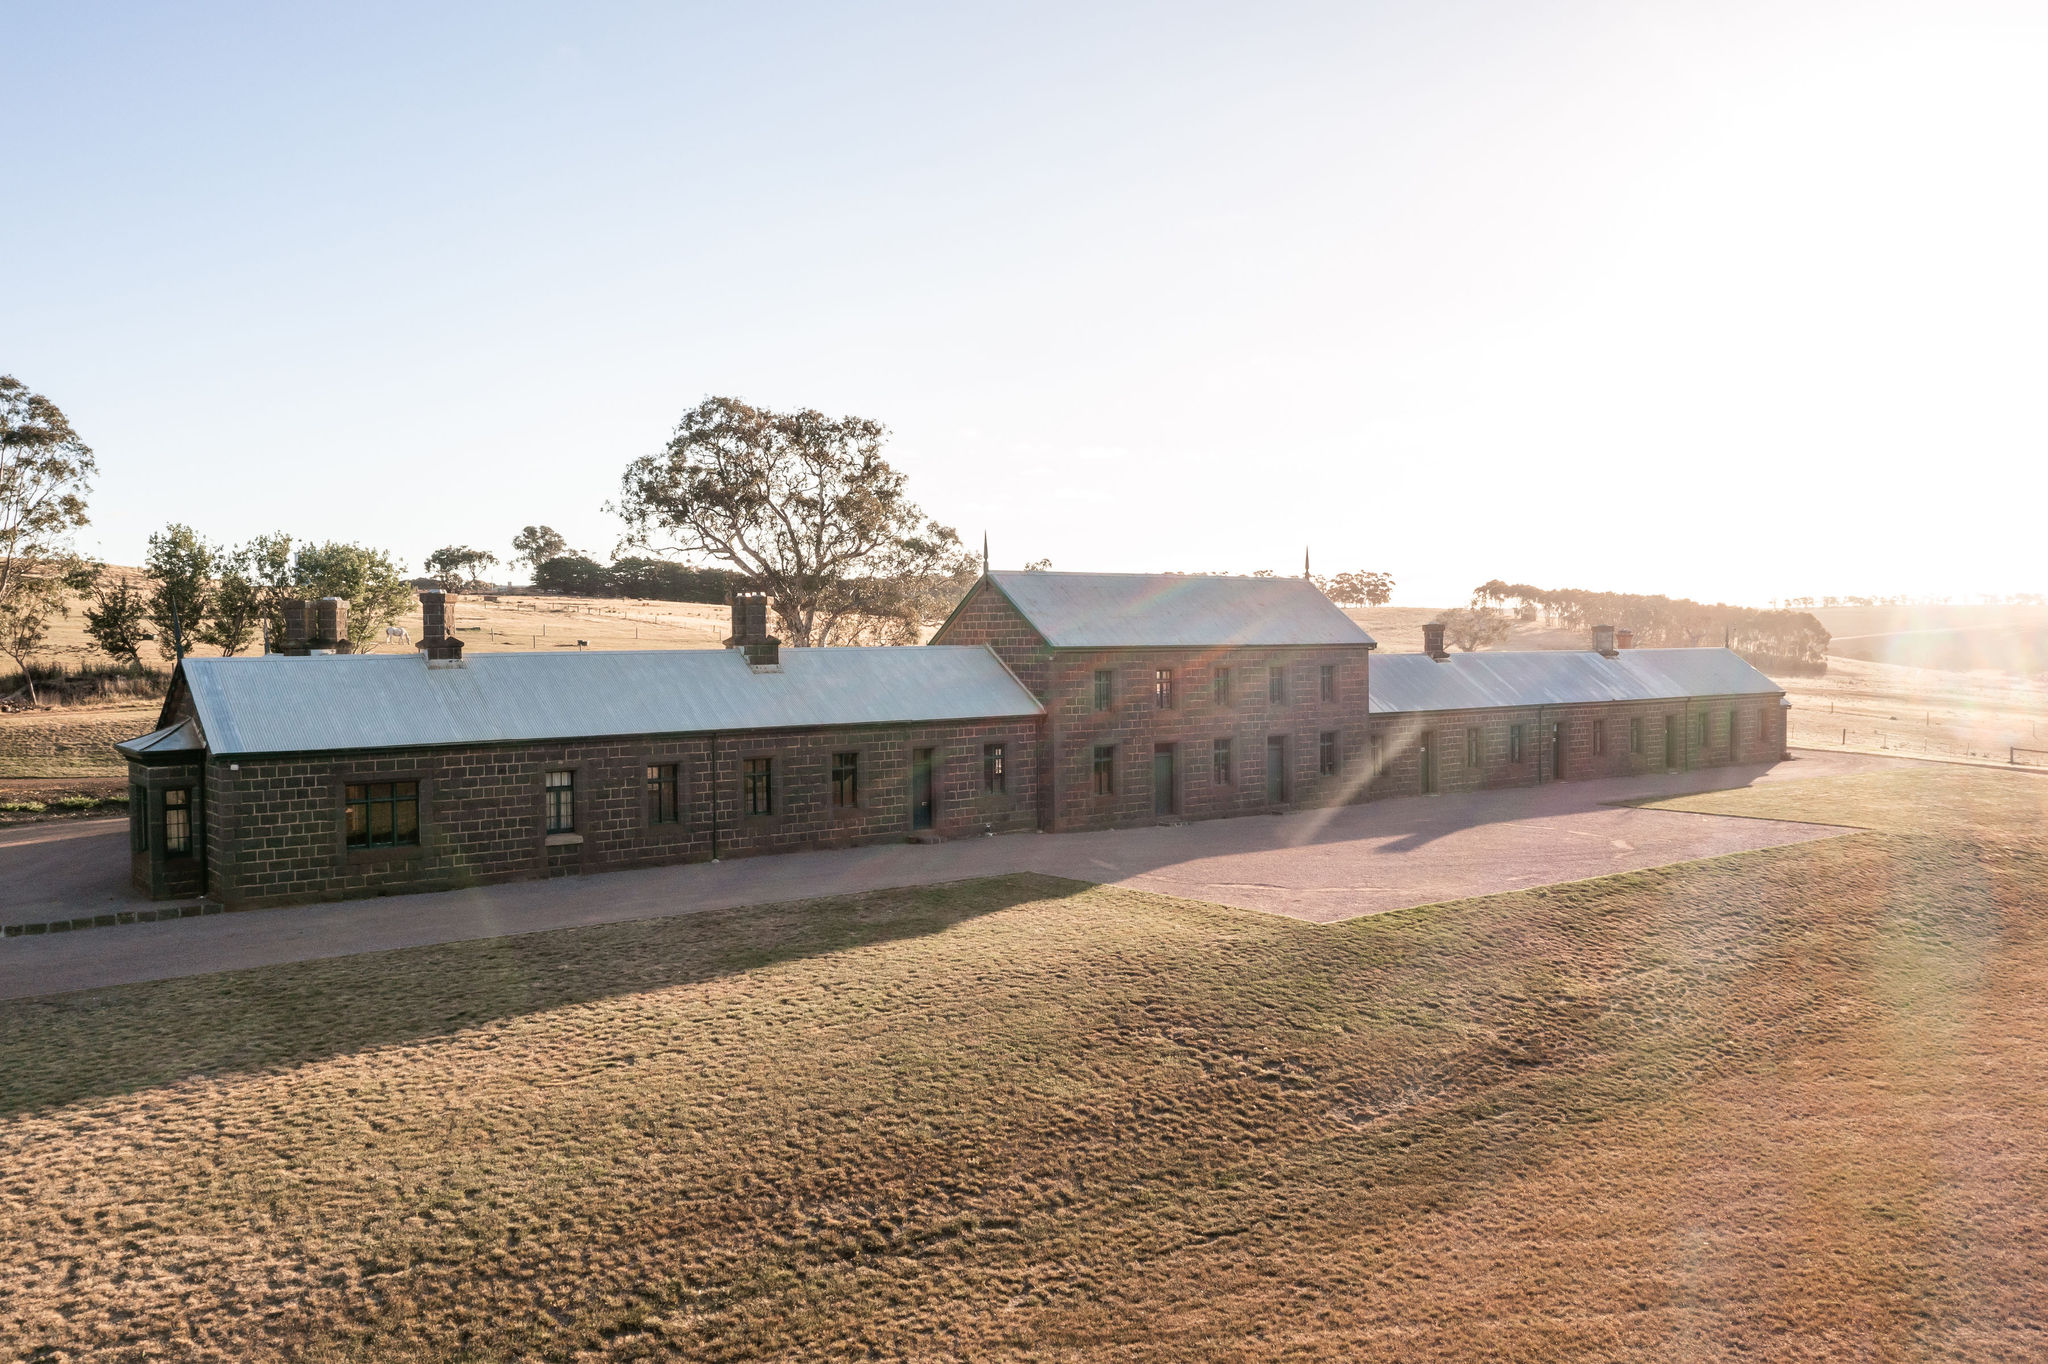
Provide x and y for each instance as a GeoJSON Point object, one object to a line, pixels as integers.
{"type": "Point", "coordinates": [1047, 701]}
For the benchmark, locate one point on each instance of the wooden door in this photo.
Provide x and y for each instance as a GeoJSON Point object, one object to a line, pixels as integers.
{"type": "Point", "coordinates": [922, 802]}
{"type": "Point", "coordinates": [1276, 770]}
{"type": "Point", "coordinates": [1425, 760]}
{"type": "Point", "coordinates": [1162, 779]}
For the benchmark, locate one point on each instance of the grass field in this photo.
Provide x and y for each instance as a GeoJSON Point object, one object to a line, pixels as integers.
{"type": "Point", "coordinates": [71, 741]}
{"type": "Point", "coordinates": [1889, 708]}
{"type": "Point", "coordinates": [1783, 1105]}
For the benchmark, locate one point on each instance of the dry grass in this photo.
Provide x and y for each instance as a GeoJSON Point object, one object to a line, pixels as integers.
{"type": "Point", "coordinates": [518, 623]}
{"type": "Point", "coordinates": [1783, 1105]}
{"type": "Point", "coordinates": [538, 623]}
{"type": "Point", "coordinates": [72, 742]}
{"type": "Point", "coordinates": [1885, 708]}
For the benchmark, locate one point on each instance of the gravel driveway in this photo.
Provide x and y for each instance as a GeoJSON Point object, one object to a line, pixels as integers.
{"type": "Point", "coordinates": [1316, 865]}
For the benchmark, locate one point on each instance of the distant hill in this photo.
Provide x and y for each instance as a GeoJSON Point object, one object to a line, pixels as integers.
{"type": "Point", "coordinates": [2010, 639]}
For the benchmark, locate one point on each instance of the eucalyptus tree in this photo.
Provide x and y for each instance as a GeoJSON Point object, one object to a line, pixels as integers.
{"type": "Point", "coordinates": [803, 507]}
{"type": "Point", "coordinates": [46, 472]}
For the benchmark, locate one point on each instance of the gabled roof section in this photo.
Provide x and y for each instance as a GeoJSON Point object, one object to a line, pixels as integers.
{"type": "Point", "coordinates": [1170, 610]}
{"type": "Point", "coordinates": [1552, 677]}
{"type": "Point", "coordinates": [348, 702]}
{"type": "Point", "coordinates": [173, 742]}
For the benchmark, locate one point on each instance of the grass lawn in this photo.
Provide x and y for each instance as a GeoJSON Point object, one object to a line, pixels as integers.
{"type": "Point", "coordinates": [1782, 1105]}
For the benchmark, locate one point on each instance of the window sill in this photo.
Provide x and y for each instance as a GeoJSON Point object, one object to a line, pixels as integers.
{"type": "Point", "coordinates": [383, 852]}
{"type": "Point", "coordinates": [562, 840]}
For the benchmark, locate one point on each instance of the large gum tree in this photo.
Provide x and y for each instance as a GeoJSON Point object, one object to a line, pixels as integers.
{"type": "Point", "coordinates": [803, 507]}
{"type": "Point", "coordinates": [45, 473]}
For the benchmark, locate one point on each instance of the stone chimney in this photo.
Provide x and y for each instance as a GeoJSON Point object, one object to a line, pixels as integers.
{"type": "Point", "coordinates": [294, 641]}
{"type": "Point", "coordinates": [1603, 640]}
{"type": "Point", "coordinates": [1433, 640]}
{"type": "Point", "coordinates": [750, 631]}
{"type": "Point", "coordinates": [433, 616]}
{"type": "Point", "coordinates": [435, 642]}
{"type": "Point", "coordinates": [330, 625]}
{"type": "Point", "coordinates": [1624, 639]}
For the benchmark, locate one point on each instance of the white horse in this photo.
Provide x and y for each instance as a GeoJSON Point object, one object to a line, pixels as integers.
{"type": "Point", "coordinates": [395, 634]}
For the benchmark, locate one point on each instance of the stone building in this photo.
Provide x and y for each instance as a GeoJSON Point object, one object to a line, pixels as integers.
{"type": "Point", "coordinates": [1470, 721]}
{"type": "Point", "coordinates": [1052, 701]}
{"type": "Point", "coordinates": [283, 778]}
{"type": "Point", "coordinates": [1171, 696]}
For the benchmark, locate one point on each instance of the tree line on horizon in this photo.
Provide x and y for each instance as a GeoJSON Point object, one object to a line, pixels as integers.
{"type": "Point", "coordinates": [198, 593]}
{"type": "Point", "coordinates": [797, 505]}
{"type": "Point", "coordinates": [1780, 639]}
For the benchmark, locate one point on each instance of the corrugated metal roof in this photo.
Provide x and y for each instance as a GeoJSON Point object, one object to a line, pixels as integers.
{"type": "Point", "coordinates": [1147, 610]}
{"type": "Point", "coordinates": [1482, 680]}
{"type": "Point", "coordinates": [368, 701]}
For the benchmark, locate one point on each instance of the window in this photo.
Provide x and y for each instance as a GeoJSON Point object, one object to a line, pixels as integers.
{"type": "Point", "coordinates": [1472, 742]}
{"type": "Point", "coordinates": [845, 780]}
{"type": "Point", "coordinates": [1514, 743]}
{"type": "Point", "coordinates": [561, 790]}
{"type": "Point", "coordinates": [1276, 686]}
{"type": "Point", "coordinates": [1105, 686]}
{"type": "Point", "coordinates": [1326, 753]}
{"type": "Point", "coordinates": [1219, 762]}
{"type": "Point", "coordinates": [1379, 755]}
{"type": "Point", "coordinates": [1599, 736]}
{"type": "Point", "coordinates": [178, 822]}
{"type": "Point", "coordinates": [1222, 682]}
{"type": "Point", "coordinates": [1105, 769]}
{"type": "Point", "coordinates": [1635, 734]}
{"type": "Point", "coordinates": [995, 771]}
{"type": "Point", "coordinates": [138, 819]}
{"type": "Point", "coordinates": [1700, 729]}
{"type": "Point", "coordinates": [661, 794]}
{"type": "Point", "coordinates": [757, 786]}
{"type": "Point", "coordinates": [1329, 682]}
{"type": "Point", "coordinates": [383, 814]}
{"type": "Point", "coordinates": [1763, 726]}
{"type": "Point", "coordinates": [1731, 731]}
{"type": "Point", "coordinates": [1162, 688]}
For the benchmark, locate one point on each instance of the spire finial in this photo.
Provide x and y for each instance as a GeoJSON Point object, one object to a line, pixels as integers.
{"type": "Point", "coordinates": [1304, 561]}
{"type": "Point", "coordinates": [984, 554]}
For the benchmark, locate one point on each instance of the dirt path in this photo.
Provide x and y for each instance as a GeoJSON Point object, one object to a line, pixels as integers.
{"type": "Point", "coordinates": [1319, 865]}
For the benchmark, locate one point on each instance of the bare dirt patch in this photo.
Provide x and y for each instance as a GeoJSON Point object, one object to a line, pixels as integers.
{"type": "Point", "coordinates": [1779, 1105]}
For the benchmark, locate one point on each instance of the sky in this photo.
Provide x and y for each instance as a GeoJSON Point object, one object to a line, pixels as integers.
{"type": "Point", "coordinates": [1725, 300]}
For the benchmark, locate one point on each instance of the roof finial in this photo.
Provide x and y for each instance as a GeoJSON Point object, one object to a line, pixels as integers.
{"type": "Point", "coordinates": [984, 554]}
{"type": "Point", "coordinates": [1304, 561]}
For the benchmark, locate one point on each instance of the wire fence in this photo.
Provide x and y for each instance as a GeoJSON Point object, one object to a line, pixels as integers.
{"type": "Point", "coordinates": [1936, 744]}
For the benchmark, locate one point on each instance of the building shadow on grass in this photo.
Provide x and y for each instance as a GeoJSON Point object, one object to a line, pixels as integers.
{"type": "Point", "coordinates": [95, 1044]}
